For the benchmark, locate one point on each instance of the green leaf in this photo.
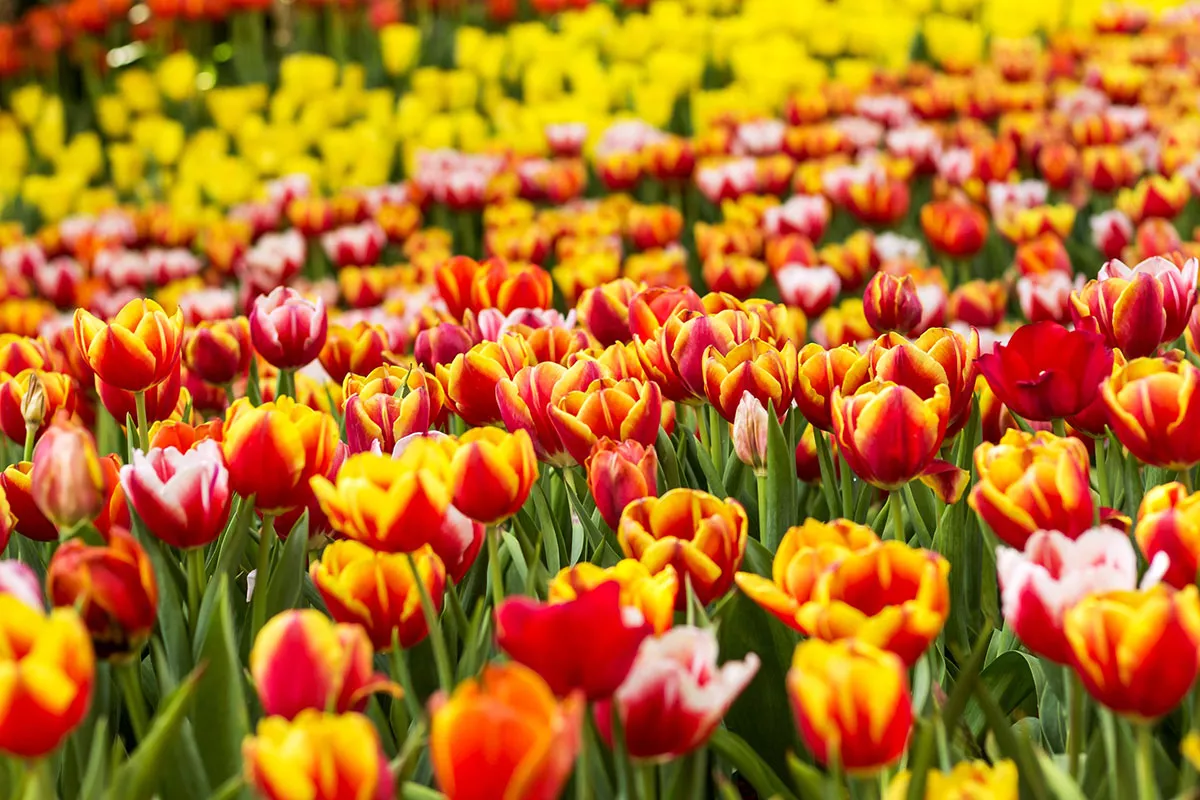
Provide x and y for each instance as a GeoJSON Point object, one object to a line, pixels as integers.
{"type": "Point", "coordinates": [283, 587]}
{"type": "Point", "coordinates": [761, 715]}
{"type": "Point", "coordinates": [518, 557]}
{"type": "Point", "coordinates": [716, 484]}
{"type": "Point", "coordinates": [667, 461]}
{"type": "Point", "coordinates": [738, 752]}
{"type": "Point", "coordinates": [220, 718]}
{"type": "Point", "coordinates": [1010, 682]}
{"type": "Point", "coordinates": [137, 777]}
{"type": "Point", "coordinates": [781, 484]}
{"type": "Point", "coordinates": [758, 558]}
{"type": "Point", "coordinates": [95, 774]}
{"type": "Point", "coordinates": [808, 780]}
{"type": "Point", "coordinates": [1059, 782]}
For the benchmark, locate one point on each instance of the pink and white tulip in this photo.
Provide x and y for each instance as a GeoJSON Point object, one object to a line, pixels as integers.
{"type": "Point", "coordinates": [183, 498]}
{"type": "Point", "coordinates": [811, 289]}
{"type": "Point", "coordinates": [287, 329]}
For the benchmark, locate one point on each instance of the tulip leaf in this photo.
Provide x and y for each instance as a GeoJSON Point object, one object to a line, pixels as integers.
{"type": "Point", "coordinates": [289, 571]}
{"type": "Point", "coordinates": [95, 774]}
{"type": "Point", "coordinates": [808, 780]}
{"type": "Point", "coordinates": [747, 761]}
{"type": "Point", "coordinates": [759, 715]}
{"type": "Point", "coordinates": [136, 778]}
{"type": "Point", "coordinates": [548, 529]}
{"type": "Point", "coordinates": [1014, 746]}
{"type": "Point", "coordinates": [1010, 682]}
{"type": "Point", "coordinates": [712, 476]}
{"type": "Point", "coordinates": [781, 484]}
{"type": "Point", "coordinates": [220, 717]}
{"type": "Point", "coordinates": [515, 553]}
{"type": "Point", "coordinates": [253, 392]}
{"type": "Point", "coordinates": [171, 623]}
{"type": "Point", "coordinates": [1060, 784]}
{"type": "Point", "coordinates": [668, 463]}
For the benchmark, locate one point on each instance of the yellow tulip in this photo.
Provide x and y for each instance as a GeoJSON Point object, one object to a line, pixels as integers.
{"type": "Point", "coordinates": [127, 163]}
{"type": "Point", "coordinates": [27, 103]}
{"type": "Point", "coordinates": [176, 76]}
{"type": "Point", "coordinates": [400, 45]}
{"type": "Point", "coordinates": [462, 90]}
{"type": "Point", "coordinates": [308, 73]}
{"type": "Point", "coordinates": [137, 88]}
{"type": "Point", "coordinates": [953, 43]}
{"type": "Point", "coordinates": [93, 201]}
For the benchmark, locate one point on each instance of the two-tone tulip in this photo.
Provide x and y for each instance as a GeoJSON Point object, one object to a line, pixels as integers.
{"type": "Point", "coordinates": [701, 536]}
{"type": "Point", "coordinates": [819, 371]}
{"type": "Point", "coordinates": [998, 781]}
{"type": "Point", "coordinates": [753, 367]}
{"type": "Point", "coordinates": [1168, 522]}
{"type": "Point", "coordinates": [619, 410]}
{"type": "Point", "coordinates": [891, 303]}
{"type": "Point", "coordinates": [888, 433]}
{"type": "Point", "coordinates": [604, 310]}
{"type": "Point", "coordinates": [1138, 309]}
{"type": "Point", "coordinates": [651, 595]}
{"type": "Point", "coordinates": [52, 392]}
{"type": "Point", "coordinates": [954, 228]}
{"type": "Point", "coordinates": [136, 350]}
{"type": "Point", "coordinates": [385, 409]}
{"type": "Point", "coordinates": [182, 498]}
{"type": "Point", "coordinates": [1151, 406]}
{"type": "Point", "coordinates": [113, 586]}
{"type": "Point", "coordinates": [66, 481]}
{"type": "Point", "coordinates": [317, 755]}
{"type": "Point", "coordinates": [287, 329]}
{"type": "Point", "coordinates": [492, 473]}
{"type": "Point", "coordinates": [525, 401]}
{"type": "Point", "coordinates": [218, 351]}
{"type": "Point", "coordinates": [473, 375]}
{"type": "Point", "coordinates": [1030, 482]}
{"type": "Point", "coordinates": [619, 473]}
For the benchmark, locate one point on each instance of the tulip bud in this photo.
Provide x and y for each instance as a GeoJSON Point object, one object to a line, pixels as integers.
{"type": "Point", "coordinates": [114, 588]}
{"type": "Point", "coordinates": [66, 481]}
{"type": "Point", "coordinates": [287, 329]}
{"type": "Point", "coordinates": [891, 303]}
{"type": "Point", "coordinates": [33, 404]}
{"type": "Point", "coordinates": [750, 425]}
{"type": "Point", "coordinates": [618, 474]}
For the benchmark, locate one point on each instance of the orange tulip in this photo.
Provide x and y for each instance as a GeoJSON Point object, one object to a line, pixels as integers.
{"type": "Point", "coordinates": [492, 473]}
{"type": "Point", "coordinates": [472, 377]}
{"type": "Point", "coordinates": [754, 366]}
{"type": "Point", "coordinates": [1168, 521]}
{"type": "Point", "coordinates": [955, 228]}
{"type": "Point", "coordinates": [318, 756]}
{"type": "Point", "coordinates": [1150, 408]}
{"type": "Point", "coordinates": [819, 371]}
{"type": "Point", "coordinates": [274, 449]}
{"type": "Point", "coordinates": [1136, 652]}
{"type": "Point", "coordinates": [508, 287]}
{"type": "Point", "coordinates": [619, 410]}
{"type": "Point", "coordinates": [19, 353]}
{"type": "Point", "coordinates": [504, 735]}
{"type": "Point", "coordinates": [377, 590]}
{"type": "Point", "coordinates": [604, 310]}
{"type": "Point", "coordinates": [39, 652]}
{"type": "Point", "coordinates": [888, 433]}
{"type": "Point", "coordinates": [138, 349]}
{"type": "Point", "coordinates": [702, 537]}
{"type": "Point", "coordinates": [356, 350]}
{"type": "Point", "coordinates": [851, 702]}
{"type": "Point", "coordinates": [525, 401]}
{"type": "Point", "coordinates": [805, 552]}
{"type": "Point", "coordinates": [114, 588]}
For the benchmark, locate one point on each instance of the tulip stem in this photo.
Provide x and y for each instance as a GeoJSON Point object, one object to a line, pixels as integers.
{"type": "Point", "coordinates": [1102, 473]}
{"type": "Point", "coordinates": [401, 673]}
{"type": "Point", "coordinates": [1074, 720]}
{"type": "Point", "coordinates": [38, 783]}
{"type": "Point", "coordinates": [286, 384]}
{"type": "Point", "coordinates": [1108, 722]}
{"type": "Point", "coordinates": [1060, 427]}
{"type": "Point", "coordinates": [492, 534]}
{"type": "Point", "coordinates": [197, 578]}
{"type": "Point", "coordinates": [764, 521]}
{"type": "Point", "coordinates": [714, 438]}
{"type": "Point", "coordinates": [648, 781]}
{"type": "Point", "coordinates": [896, 508]}
{"type": "Point", "coordinates": [583, 786]}
{"type": "Point", "coordinates": [440, 656]}
{"type": "Point", "coordinates": [1185, 474]}
{"type": "Point", "coordinates": [130, 678]}
{"type": "Point", "coordinates": [30, 433]}
{"type": "Point", "coordinates": [258, 603]}
{"type": "Point", "coordinates": [139, 398]}
{"type": "Point", "coordinates": [1145, 762]}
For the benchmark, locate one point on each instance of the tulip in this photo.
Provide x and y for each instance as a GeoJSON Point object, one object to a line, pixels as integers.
{"type": "Point", "coordinates": [851, 703]}
{"type": "Point", "coordinates": [66, 480]}
{"type": "Point", "coordinates": [525, 400]}
{"type": "Point", "coordinates": [1168, 523]}
{"type": "Point", "coordinates": [181, 498]}
{"type": "Point", "coordinates": [955, 228]}
{"type": "Point", "coordinates": [17, 483]}
{"type": "Point", "coordinates": [472, 377]}
{"type": "Point", "coordinates": [40, 651]}
{"type": "Point", "coordinates": [319, 756]}
{"type": "Point", "coordinates": [19, 353]}
{"type": "Point", "coordinates": [218, 351]}
{"type": "Point", "coordinates": [356, 350]}
{"type": "Point", "coordinates": [375, 415]}
{"type": "Point", "coordinates": [138, 349]}
{"type": "Point", "coordinates": [620, 410]}
{"type": "Point", "coordinates": [183, 436]}
{"type": "Point", "coordinates": [1042, 255]}
{"type": "Point", "coordinates": [1112, 232]}
{"type": "Point", "coordinates": [301, 660]}
{"type": "Point", "coordinates": [20, 582]}
{"type": "Point", "coordinates": [1052, 573]}
{"type": "Point", "coordinates": [891, 303]}
{"type": "Point", "coordinates": [114, 588]}
{"type": "Point", "coordinates": [652, 596]}
{"type": "Point", "coordinates": [437, 347]}
{"type": "Point", "coordinates": [749, 434]}
{"type": "Point", "coordinates": [1046, 371]}
{"type": "Point", "coordinates": [675, 695]}
{"type": "Point", "coordinates": [803, 555]}
{"type": "Point", "coordinates": [287, 329]}
{"type": "Point", "coordinates": [1151, 407]}
{"type": "Point", "coordinates": [503, 735]}
{"type": "Point", "coordinates": [604, 310]}
{"type": "Point", "coordinates": [889, 434]}
{"type": "Point", "coordinates": [701, 536]}
{"type": "Point", "coordinates": [162, 401]}
{"type": "Point", "coordinates": [810, 288]}
{"type": "Point", "coordinates": [979, 303]}
{"type": "Point", "coordinates": [650, 308]}
{"type": "Point", "coordinates": [492, 473]}
{"type": "Point", "coordinates": [586, 643]}
{"type": "Point", "coordinates": [1031, 482]}
{"type": "Point", "coordinates": [968, 779]}
{"type": "Point", "coordinates": [1155, 196]}
{"type": "Point", "coordinates": [820, 371]}
{"type": "Point", "coordinates": [1133, 313]}
{"type": "Point", "coordinates": [753, 367]}
{"type": "Point", "coordinates": [273, 450]}
{"type": "Point", "coordinates": [1136, 652]}
{"type": "Point", "coordinates": [1047, 296]}
{"type": "Point", "coordinates": [721, 330]}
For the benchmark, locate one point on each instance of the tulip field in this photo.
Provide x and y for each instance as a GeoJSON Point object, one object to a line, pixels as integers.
{"type": "Point", "coordinates": [599, 399]}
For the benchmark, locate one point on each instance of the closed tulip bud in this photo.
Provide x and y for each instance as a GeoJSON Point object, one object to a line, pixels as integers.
{"type": "Point", "coordinates": [1052, 573]}
{"type": "Point", "coordinates": [114, 588]}
{"type": "Point", "coordinates": [319, 756]}
{"type": "Point", "coordinates": [30, 399]}
{"type": "Point", "coordinates": [504, 734]}
{"type": "Point", "coordinates": [287, 329]}
{"type": "Point", "coordinates": [804, 554]}
{"type": "Point", "coordinates": [218, 351]}
{"type": "Point", "coordinates": [998, 781]}
{"type": "Point", "coordinates": [1168, 522]}
{"type": "Point", "coordinates": [1031, 482]}
{"type": "Point", "coordinates": [890, 303]}
{"type": "Point", "coordinates": [42, 650]}
{"type": "Point", "coordinates": [378, 591]}
{"type": "Point", "coordinates": [1136, 652]}
{"type": "Point", "coordinates": [437, 347]}
{"type": "Point", "coordinates": [675, 695]}
{"type": "Point", "coordinates": [302, 660]}
{"type": "Point", "coordinates": [702, 537]}
{"type": "Point", "coordinates": [19, 353]}
{"type": "Point", "coordinates": [1046, 371]}
{"type": "Point", "coordinates": [888, 433]}
{"type": "Point", "coordinates": [584, 644]}
{"type": "Point", "coordinates": [1112, 232]}
{"type": "Point", "coordinates": [139, 348]}
{"type": "Point", "coordinates": [181, 498]}
{"type": "Point", "coordinates": [652, 596]}
{"type": "Point", "coordinates": [604, 310]}
{"type": "Point", "coordinates": [619, 473]}
{"type": "Point", "coordinates": [66, 481]}
{"type": "Point", "coordinates": [851, 702]}
{"type": "Point", "coordinates": [955, 228]}
{"type": "Point", "coordinates": [750, 426]}
{"type": "Point", "coordinates": [1108, 168]}
{"type": "Point", "coordinates": [1151, 401]}
{"type": "Point", "coordinates": [492, 473]}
